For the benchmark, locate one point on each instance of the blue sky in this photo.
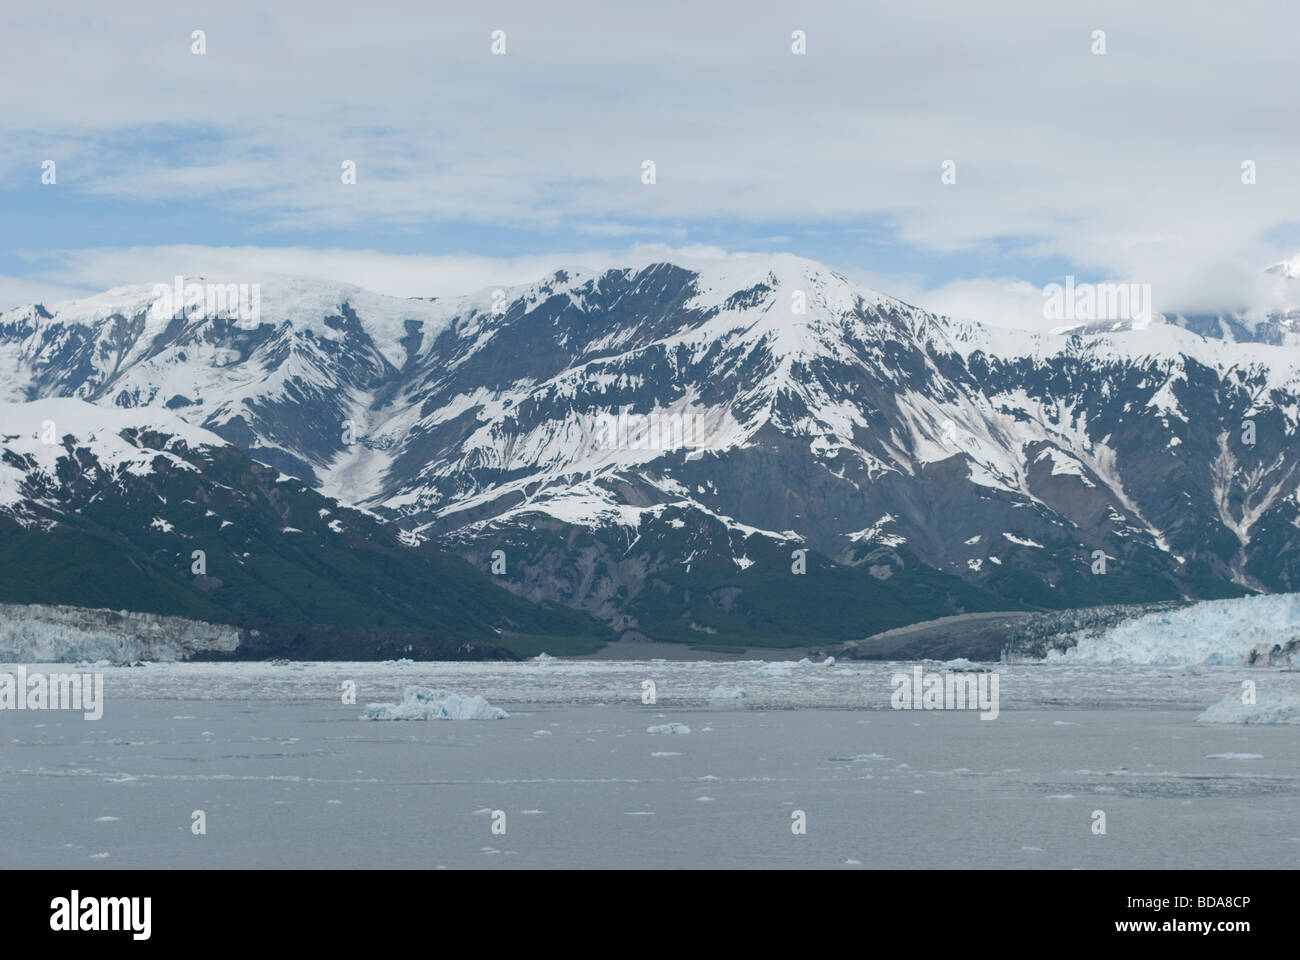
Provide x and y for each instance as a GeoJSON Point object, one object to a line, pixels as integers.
{"type": "Point", "coordinates": [475, 168]}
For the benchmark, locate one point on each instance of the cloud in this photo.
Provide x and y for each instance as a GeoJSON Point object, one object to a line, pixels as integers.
{"type": "Point", "coordinates": [1006, 302]}
{"type": "Point", "coordinates": [1001, 302]}
{"type": "Point", "coordinates": [16, 291]}
{"type": "Point", "coordinates": [1127, 163]}
{"type": "Point", "coordinates": [402, 275]}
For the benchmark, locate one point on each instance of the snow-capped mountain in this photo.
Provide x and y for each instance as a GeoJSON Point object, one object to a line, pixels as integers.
{"type": "Point", "coordinates": [926, 465]}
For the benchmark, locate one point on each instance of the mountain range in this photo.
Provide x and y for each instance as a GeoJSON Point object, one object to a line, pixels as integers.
{"type": "Point", "coordinates": [752, 451]}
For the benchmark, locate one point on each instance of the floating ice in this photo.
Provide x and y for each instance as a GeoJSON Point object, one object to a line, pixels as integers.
{"type": "Point", "coordinates": [422, 703]}
{"type": "Point", "coordinates": [873, 758]}
{"type": "Point", "coordinates": [724, 692]}
{"type": "Point", "coordinates": [962, 665]}
{"type": "Point", "coordinates": [856, 685]}
{"type": "Point", "coordinates": [668, 728]}
{"type": "Point", "coordinates": [1269, 708]}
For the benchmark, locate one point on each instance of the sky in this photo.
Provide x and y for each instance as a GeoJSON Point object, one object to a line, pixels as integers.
{"type": "Point", "coordinates": [476, 169]}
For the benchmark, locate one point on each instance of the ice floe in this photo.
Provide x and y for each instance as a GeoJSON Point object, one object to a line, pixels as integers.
{"type": "Point", "coordinates": [668, 728]}
{"type": "Point", "coordinates": [422, 703]}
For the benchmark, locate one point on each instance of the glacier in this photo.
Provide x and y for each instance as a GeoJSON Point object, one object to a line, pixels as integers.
{"type": "Point", "coordinates": [1262, 630]}
{"type": "Point", "coordinates": [31, 633]}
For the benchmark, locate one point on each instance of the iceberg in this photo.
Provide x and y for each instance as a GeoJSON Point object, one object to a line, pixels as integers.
{"type": "Point", "coordinates": [422, 703]}
{"type": "Point", "coordinates": [1268, 709]}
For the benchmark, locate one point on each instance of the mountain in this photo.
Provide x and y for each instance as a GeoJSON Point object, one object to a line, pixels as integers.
{"type": "Point", "coordinates": [134, 509]}
{"type": "Point", "coordinates": [654, 445]}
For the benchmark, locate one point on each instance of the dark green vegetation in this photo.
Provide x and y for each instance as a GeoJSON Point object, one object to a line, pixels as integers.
{"type": "Point", "coordinates": [767, 605]}
{"type": "Point", "coordinates": [277, 555]}
{"type": "Point", "coordinates": [692, 591]}
{"type": "Point", "coordinates": [685, 586]}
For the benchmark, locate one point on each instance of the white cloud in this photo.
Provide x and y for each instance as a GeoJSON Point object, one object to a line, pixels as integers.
{"type": "Point", "coordinates": [996, 302]}
{"type": "Point", "coordinates": [1127, 164]}
{"type": "Point", "coordinates": [999, 302]}
{"type": "Point", "coordinates": [400, 275]}
{"type": "Point", "coordinates": [16, 291]}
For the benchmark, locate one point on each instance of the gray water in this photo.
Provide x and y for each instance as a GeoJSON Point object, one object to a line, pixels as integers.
{"type": "Point", "coordinates": [305, 782]}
